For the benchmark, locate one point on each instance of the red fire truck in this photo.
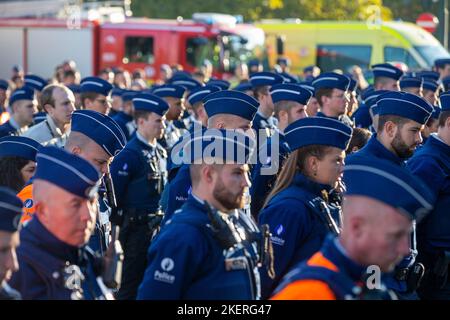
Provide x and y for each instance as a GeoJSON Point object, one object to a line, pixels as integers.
{"type": "Point", "coordinates": [39, 44]}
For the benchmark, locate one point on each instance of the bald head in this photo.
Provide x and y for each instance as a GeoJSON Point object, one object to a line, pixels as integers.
{"type": "Point", "coordinates": [88, 149]}
{"type": "Point", "coordinates": [374, 233]}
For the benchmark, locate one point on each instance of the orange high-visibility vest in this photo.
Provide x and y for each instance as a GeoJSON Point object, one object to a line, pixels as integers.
{"type": "Point", "coordinates": [26, 195]}
{"type": "Point", "coordinates": [306, 289]}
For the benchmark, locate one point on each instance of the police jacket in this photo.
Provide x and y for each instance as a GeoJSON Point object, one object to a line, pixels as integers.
{"type": "Point", "coordinates": [48, 267]}
{"type": "Point", "coordinates": [263, 183]}
{"type": "Point", "coordinates": [297, 224]}
{"type": "Point", "coordinates": [432, 164]}
{"type": "Point", "coordinates": [187, 261]}
{"type": "Point", "coordinates": [10, 128]}
{"type": "Point", "coordinates": [125, 123]}
{"type": "Point", "coordinates": [138, 173]}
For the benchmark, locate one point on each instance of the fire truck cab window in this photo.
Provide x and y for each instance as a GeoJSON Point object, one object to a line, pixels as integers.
{"type": "Point", "coordinates": [139, 49]}
{"type": "Point", "coordinates": [200, 49]}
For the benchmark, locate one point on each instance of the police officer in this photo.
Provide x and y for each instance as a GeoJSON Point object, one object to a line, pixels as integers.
{"type": "Point", "coordinates": [401, 117]}
{"type": "Point", "coordinates": [432, 124]}
{"type": "Point", "coordinates": [10, 210]}
{"type": "Point", "coordinates": [430, 89]}
{"type": "Point", "coordinates": [117, 101]}
{"type": "Point", "coordinates": [363, 117]}
{"type": "Point", "coordinates": [17, 161]}
{"type": "Point", "coordinates": [139, 175]}
{"type": "Point", "coordinates": [297, 209]}
{"type": "Point", "coordinates": [4, 97]}
{"type": "Point", "coordinates": [264, 122]}
{"type": "Point", "coordinates": [97, 139]}
{"type": "Point", "coordinates": [95, 94]}
{"type": "Point", "coordinates": [331, 92]}
{"type": "Point", "coordinates": [124, 118]}
{"type": "Point", "coordinates": [245, 87]}
{"type": "Point", "coordinates": [381, 200]}
{"type": "Point", "coordinates": [442, 66]}
{"type": "Point", "coordinates": [386, 77]}
{"type": "Point", "coordinates": [194, 100]}
{"type": "Point", "coordinates": [58, 102]}
{"type": "Point", "coordinates": [411, 85]}
{"type": "Point", "coordinates": [290, 103]}
{"type": "Point", "coordinates": [173, 96]}
{"type": "Point", "coordinates": [52, 262]}
{"type": "Point", "coordinates": [22, 107]}
{"type": "Point", "coordinates": [432, 164]}
{"type": "Point", "coordinates": [38, 84]}
{"type": "Point", "coordinates": [200, 252]}
{"type": "Point", "coordinates": [225, 110]}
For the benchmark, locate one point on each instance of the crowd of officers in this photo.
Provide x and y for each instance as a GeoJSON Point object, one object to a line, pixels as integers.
{"type": "Point", "coordinates": [325, 188]}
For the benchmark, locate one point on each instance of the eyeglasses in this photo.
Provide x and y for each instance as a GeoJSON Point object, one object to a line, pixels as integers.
{"type": "Point", "coordinates": [104, 101]}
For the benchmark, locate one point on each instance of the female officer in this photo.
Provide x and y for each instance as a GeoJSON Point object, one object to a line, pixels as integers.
{"type": "Point", "coordinates": [297, 210]}
{"type": "Point", "coordinates": [17, 161]}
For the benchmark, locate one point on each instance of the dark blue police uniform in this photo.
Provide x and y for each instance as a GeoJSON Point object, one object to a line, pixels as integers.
{"type": "Point", "coordinates": [432, 164]}
{"type": "Point", "coordinates": [297, 222]}
{"type": "Point", "coordinates": [48, 267]}
{"type": "Point", "coordinates": [190, 260]}
{"type": "Point", "coordinates": [139, 176]}
{"type": "Point", "coordinates": [411, 107]}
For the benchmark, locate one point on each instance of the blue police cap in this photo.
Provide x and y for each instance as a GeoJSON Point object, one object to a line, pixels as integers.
{"type": "Point", "coordinates": [67, 171]}
{"type": "Point", "coordinates": [169, 90]}
{"type": "Point", "coordinates": [100, 128]}
{"type": "Point", "coordinates": [128, 95]}
{"type": "Point", "coordinates": [285, 61]}
{"type": "Point", "coordinates": [96, 84]}
{"type": "Point", "coordinates": [187, 83]}
{"type": "Point", "coordinates": [117, 92]}
{"type": "Point", "coordinates": [222, 84]}
{"type": "Point", "coordinates": [151, 103]}
{"type": "Point", "coordinates": [386, 70]}
{"type": "Point", "coordinates": [35, 82]}
{"type": "Point", "coordinates": [224, 146]}
{"type": "Point", "coordinates": [259, 79]}
{"type": "Point", "coordinates": [244, 86]}
{"type": "Point", "coordinates": [23, 93]}
{"type": "Point", "coordinates": [410, 82]}
{"type": "Point", "coordinates": [318, 131]}
{"type": "Point", "coordinates": [17, 146]}
{"type": "Point", "coordinates": [436, 112]}
{"type": "Point", "coordinates": [200, 93]}
{"type": "Point", "coordinates": [308, 86]}
{"type": "Point", "coordinates": [371, 97]}
{"type": "Point", "coordinates": [404, 105]}
{"type": "Point", "coordinates": [10, 210]}
{"type": "Point", "coordinates": [75, 88]}
{"type": "Point", "coordinates": [440, 63]}
{"type": "Point", "coordinates": [331, 80]}
{"type": "Point", "coordinates": [253, 63]}
{"type": "Point", "coordinates": [367, 92]}
{"type": "Point", "coordinates": [352, 85]}
{"type": "Point", "coordinates": [288, 78]}
{"type": "Point", "coordinates": [231, 102]}
{"type": "Point", "coordinates": [433, 75]}
{"type": "Point", "coordinates": [181, 75]}
{"type": "Point", "coordinates": [446, 83]}
{"type": "Point", "coordinates": [290, 92]}
{"type": "Point", "coordinates": [4, 84]}
{"type": "Point", "coordinates": [430, 84]}
{"type": "Point", "coordinates": [393, 185]}
{"type": "Point", "coordinates": [308, 69]}
{"type": "Point", "coordinates": [444, 100]}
